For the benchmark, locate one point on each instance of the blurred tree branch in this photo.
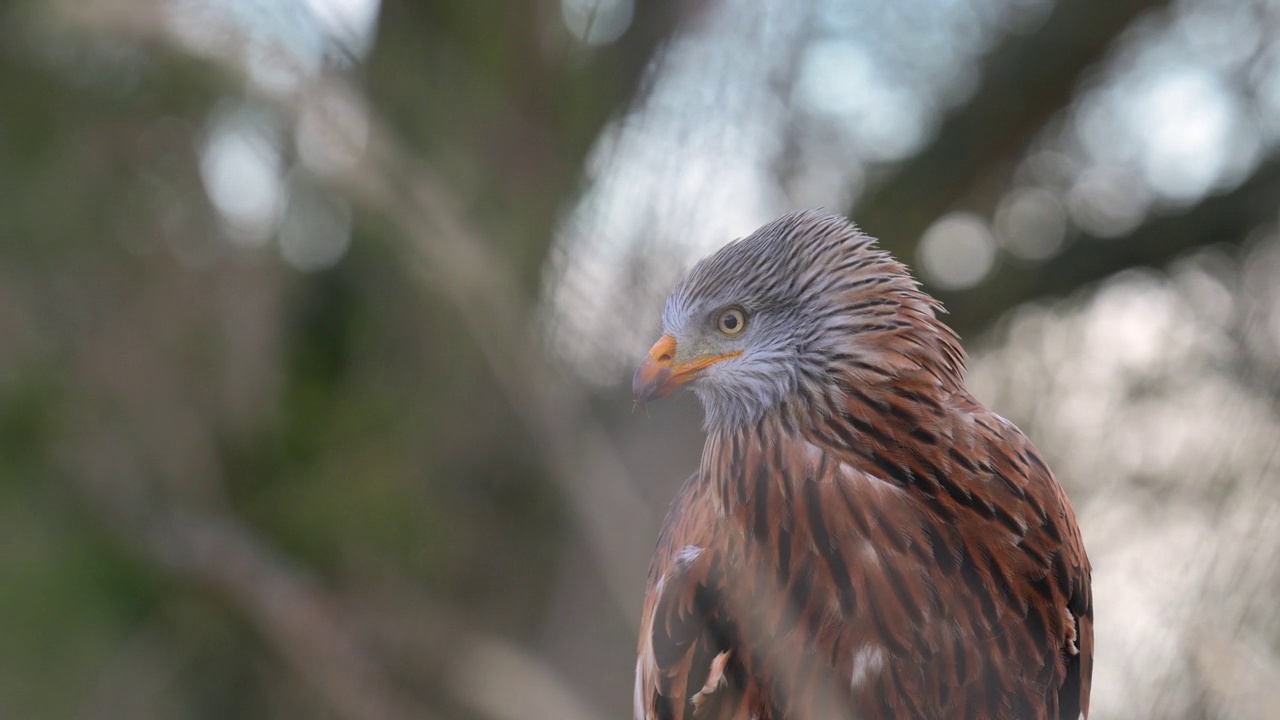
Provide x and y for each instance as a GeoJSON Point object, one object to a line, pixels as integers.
{"type": "Point", "coordinates": [329, 639]}
{"type": "Point", "coordinates": [1226, 219]}
{"type": "Point", "coordinates": [487, 674]}
{"type": "Point", "coordinates": [284, 601]}
{"type": "Point", "coordinates": [531, 98]}
{"type": "Point", "coordinates": [1026, 81]}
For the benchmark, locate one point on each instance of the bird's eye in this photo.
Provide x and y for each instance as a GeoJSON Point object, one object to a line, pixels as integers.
{"type": "Point", "coordinates": [731, 321]}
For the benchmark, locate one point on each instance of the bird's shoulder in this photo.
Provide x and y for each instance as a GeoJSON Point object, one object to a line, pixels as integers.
{"type": "Point", "coordinates": [965, 527]}
{"type": "Point", "coordinates": [1059, 575]}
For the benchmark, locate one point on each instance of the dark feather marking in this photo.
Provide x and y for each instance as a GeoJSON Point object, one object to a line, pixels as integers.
{"type": "Point", "coordinates": [1079, 602]}
{"type": "Point", "coordinates": [961, 494]}
{"type": "Point", "coordinates": [883, 405]}
{"type": "Point", "coordinates": [908, 699]}
{"type": "Point", "coordinates": [1034, 457]}
{"type": "Point", "coordinates": [854, 511]}
{"type": "Point", "coordinates": [885, 629]}
{"type": "Point", "coordinates": [788, 425]}
{"type": "Point", "coordinates": [899, 474]}
{"type": "Point", "coordinates": [798, 596]}
{"type": "Point", "coordinates": [907, 393]}
{"type": "Point", "coordinates": [857, 394]}
{"type": "Point", "coordinates": [1051, 529]}
{"type": "Point", "coordinates": [1069, 695]}
{"type": "Point", "coordinates": [1019, 706]}
{"type": "Point", "coordinates": [1008, 520]}
{"type": "Point", "coordinates": [903, 593]}
{"type": "Point", "coordinates": [784, 555]}
{"type": "Point", "coordinates": [886, 707]}
{"type": "Point", "coordinates": [672, 639]}
{"type": "Point", "coordinates": [855, 328]}
{"type": "Point", "coordinates": [826, 546]}
{"type": "Point", "coordinates": [938, 507]}
{"type": "Point", "coordinates": [1044, 587]}
{"type": "Point", "coordinates": [1017, 490]}
{"type": "Point", "coordinates": [1036, 631]}
{"type": "Point", "coordinates": [761, 499]}
{"type": "Point", "coordinates": [863, 282]}
{"type": "Point", "coordinates": [844, 433]}
{"type": "Point", "coordinates": [803, 290]}
{"type": "Point", "coordinates": [924, 436]}
{"type": "Point", "coordinates": [1061, 574]}
{"type": "Point", "coordinates": [908, 418]}
{"type": "Point", "coordinates": [998, 577]}
{"type": "Point", "coordinates": [870, 303]}
{"type": "Point", "coordinates": [736, 468]}
{"type": "Point", "coordinates": [937, 549]}
{"type": "Point", "coordinates": [959, 458]}
{"type": "Point", "coordinates": [979, 588]}
{"type": "Point", "coordinates": [662, 707]}
{"type": "Point", "coordinates": [869, 368]}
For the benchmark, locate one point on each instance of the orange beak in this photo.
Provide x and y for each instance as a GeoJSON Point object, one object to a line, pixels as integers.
{"type": "Point", "coordinates": [659, 376]}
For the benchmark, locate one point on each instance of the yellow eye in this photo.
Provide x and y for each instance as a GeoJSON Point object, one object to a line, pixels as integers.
{"type": "Point", "coordinates": [731, 321]}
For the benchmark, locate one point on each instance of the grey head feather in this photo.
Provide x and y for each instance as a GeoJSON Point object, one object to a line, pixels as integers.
{"type": "Point", "coordinates": [822, 299]}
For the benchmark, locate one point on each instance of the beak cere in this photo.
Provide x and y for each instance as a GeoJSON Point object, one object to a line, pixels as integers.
{"type": "Point", "coordinates": [659, 376]}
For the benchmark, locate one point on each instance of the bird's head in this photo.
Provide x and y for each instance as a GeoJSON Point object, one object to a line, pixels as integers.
{"type": "Point", "coordinates": [775, 316]}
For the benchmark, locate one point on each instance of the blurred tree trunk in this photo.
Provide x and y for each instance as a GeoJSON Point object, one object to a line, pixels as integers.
{"type": "Point", "coordinates": [506, 103]}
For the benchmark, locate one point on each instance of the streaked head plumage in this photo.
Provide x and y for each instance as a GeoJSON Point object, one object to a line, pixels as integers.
{"type": "Point", "coordinates": [769, 318]}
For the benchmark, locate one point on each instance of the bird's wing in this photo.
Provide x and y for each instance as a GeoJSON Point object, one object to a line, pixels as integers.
{"type": "Point", "coordinates": [953, 567]}
{"type": "Point", "coordinates": [686, 664]}
{"type": "Point", "coordinates": [1047, 566]}
{"type": "Point", "coordinates": [1077, 589]}
{"type": "Point", "coordinates": [984, 568]}
{"type": "Point", "coordinates": [958, 575]}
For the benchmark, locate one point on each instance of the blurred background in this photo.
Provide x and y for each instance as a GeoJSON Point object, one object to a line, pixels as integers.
{"type": "Point", "coordinates": [317, 320]}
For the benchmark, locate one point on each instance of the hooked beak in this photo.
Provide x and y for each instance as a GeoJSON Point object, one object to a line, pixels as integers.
{"type": "Point", "coordinates": [659, 375]}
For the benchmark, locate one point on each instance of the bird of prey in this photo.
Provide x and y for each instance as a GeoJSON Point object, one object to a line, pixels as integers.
{"type": "Point", "coordinates": [863, 539]}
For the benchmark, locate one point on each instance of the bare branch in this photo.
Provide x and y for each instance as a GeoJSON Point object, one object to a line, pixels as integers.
{"type": "Point", "coordinates": [1025, 82]}
{"type": "Point", "coordinates": [284, 601]}
{"type": "Point", "coordinates": [1226, 219]}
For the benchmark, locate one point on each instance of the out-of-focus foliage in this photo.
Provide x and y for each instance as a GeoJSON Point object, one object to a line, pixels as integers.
{"type": "Point", "coordinates": [316, 319]}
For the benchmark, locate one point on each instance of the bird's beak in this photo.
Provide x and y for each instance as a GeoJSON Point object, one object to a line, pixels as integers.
{"type": "Point", "coordinates": [659, 375]}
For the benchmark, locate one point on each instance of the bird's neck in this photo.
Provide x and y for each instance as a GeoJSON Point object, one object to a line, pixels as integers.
{"type": "Point", "coordinates": [857, 420]}
{"type": "Point", "coordinates": [865, 386]}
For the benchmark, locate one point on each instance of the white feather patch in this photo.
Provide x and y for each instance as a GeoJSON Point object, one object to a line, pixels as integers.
{"type": "Point", "coordinates": [638, 699]}
{"type": "Point", "coordinates": [867, 661]}
{"type": "Point", "coordinates": [687, 554]}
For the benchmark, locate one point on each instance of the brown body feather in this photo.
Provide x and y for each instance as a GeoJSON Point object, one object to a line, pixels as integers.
{"type": "Point", "coordinates": [928, 568]}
